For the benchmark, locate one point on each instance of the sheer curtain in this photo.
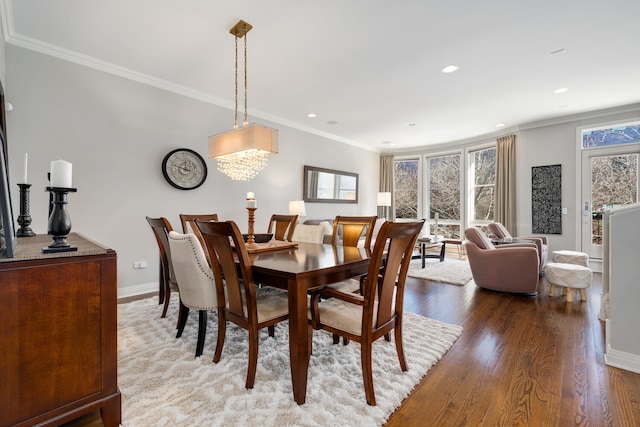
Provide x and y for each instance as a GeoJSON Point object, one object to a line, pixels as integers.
{"type": "Point", "coordinates": [505, 208]}
{"type": "Point", "coordinates": [386, 184]}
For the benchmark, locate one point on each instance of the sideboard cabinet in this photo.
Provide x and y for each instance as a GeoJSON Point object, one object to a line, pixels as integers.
{"type": "Point", "coordinates": [58, 334]}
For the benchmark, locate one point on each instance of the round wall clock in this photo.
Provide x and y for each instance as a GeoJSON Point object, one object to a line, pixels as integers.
{"type": "Point", "coordinates": [184, 169]}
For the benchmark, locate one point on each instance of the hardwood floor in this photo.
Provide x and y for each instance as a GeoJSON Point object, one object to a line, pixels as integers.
{"type": "Point", "coordinates": [520, 361]}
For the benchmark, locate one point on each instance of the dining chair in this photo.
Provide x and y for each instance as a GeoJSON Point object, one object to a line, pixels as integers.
{"type": "Point", "coordinates": [189, 226]}
{"type": "Point", "coordinates": [378, 310]}
{"type": "Point", "coordinates": [167, 281]}
{"type": "Point", "coordinates": [197, 288]}
{"type": "Point", "coordinates": [350, 230]}
{"type": "Point", "coordinates": [242, 305]}
{"type": "Point", "coordinates": [283, 226]}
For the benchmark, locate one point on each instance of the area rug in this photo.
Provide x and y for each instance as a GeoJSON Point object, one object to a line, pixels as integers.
{"type": "Point", "coordinates": [162, 384]}
{"type": "Point", "coordinates": [453, 271]}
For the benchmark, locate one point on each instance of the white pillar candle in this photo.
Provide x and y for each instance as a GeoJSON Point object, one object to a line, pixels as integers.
{"type": "Point", "coordinates": [26, 163]}
{"type": "Point", "coordinates": [252, 204]}
{"type": "Point", "coordinates": [61, 174]}
{"type": "Point", "coordinates": [251, 195]}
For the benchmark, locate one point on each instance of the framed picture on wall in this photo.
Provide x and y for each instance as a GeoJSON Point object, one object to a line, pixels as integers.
{"type": "Point", "coordinates": [546, 199]}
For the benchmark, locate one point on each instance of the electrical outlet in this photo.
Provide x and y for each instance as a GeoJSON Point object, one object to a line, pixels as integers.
{"type": "Point", "coordinates": [564, 211]}
{"type": "Point", "coordinates": [140, 264]}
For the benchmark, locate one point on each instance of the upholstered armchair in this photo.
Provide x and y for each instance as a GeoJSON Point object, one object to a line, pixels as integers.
{"type": "Point", "coordinates": [500, 231]}
{"type": "Point", "coordinates": [512, 268]}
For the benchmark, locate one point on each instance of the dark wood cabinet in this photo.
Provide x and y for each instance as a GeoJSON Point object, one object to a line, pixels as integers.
{"type": "Point", "coordinates": [58, 334]}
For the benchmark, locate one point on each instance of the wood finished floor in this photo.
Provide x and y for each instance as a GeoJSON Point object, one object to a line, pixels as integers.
{"type": "Point", "coordinates": [521, 361]}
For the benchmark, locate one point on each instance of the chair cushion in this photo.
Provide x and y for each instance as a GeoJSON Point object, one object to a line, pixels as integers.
{"type": "Point", "coordinates": [342, 315]}
{"type": "Point", "coordinates": [308, 233]}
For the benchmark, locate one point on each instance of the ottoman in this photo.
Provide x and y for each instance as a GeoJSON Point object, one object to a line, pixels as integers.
{"type": "Point", "coordinates": [570, 257]}
{"type": "Point", "coordinates": [569, 276]}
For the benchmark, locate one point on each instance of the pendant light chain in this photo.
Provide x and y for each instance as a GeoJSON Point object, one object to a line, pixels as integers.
{"type": "Point", "coordinates": [246, 121]}
{"type": "Point", "coordinates": [235, 123]}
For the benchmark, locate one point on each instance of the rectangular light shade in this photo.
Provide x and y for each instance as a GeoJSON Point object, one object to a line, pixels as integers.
{"type": "Point", "coordinates": [384, 199]}
{"type": "Point", "coordinates": [251, 136]}
{"type": "Point", "coordinates": [296, 207]}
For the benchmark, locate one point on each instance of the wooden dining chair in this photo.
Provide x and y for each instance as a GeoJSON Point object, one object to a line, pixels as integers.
{"type": "Point", "coordinates": [349, 230]}
{"type": "Point", "coordinates": [197, 288]}
{"type": "Point", "coordinates": [243, 305]}
{"type": "Point", "coordinates": [189, 226]}
{"type": "Point", "coordinates": [378, 310]}
{"type": "Point", "coordinates": [283, 226]}
{"type": "Point", "coordinates": [167, 281]}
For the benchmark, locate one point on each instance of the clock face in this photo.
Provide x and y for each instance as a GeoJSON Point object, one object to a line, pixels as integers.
{"type": "Point", "coordinates": [184, 169]}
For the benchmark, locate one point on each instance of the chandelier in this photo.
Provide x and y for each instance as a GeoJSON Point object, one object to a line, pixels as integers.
{"type": "Point", "coordinates": [242, 152]}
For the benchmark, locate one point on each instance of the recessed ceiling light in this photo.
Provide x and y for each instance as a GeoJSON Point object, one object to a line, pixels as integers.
{"type": "Point", "coordinates": [450, 69]}
{"type": "Point", "coordinates": [555, 52]}
{"type": "Point", "coordinates": [561, 90]}
{"type": "Point", "coordinates": [311, 115]}
{"type": "Point", "coordinates": [563, 106]}
{"type": "Point", "coordinates": [499, 125]}
{"type": "Point", "coordinates": [411, 124]}
{"type": "Point", "coordinates": [332, 122]}
{"type": "Point", "coordinates": [388, 143]}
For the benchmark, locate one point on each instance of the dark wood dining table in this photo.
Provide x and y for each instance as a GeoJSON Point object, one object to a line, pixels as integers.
{"type": "Point", "coordinates": [309, 266]}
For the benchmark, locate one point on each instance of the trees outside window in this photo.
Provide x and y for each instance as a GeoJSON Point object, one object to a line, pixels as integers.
{"type": "Point", "coordinates": [482, 172]}
{"type": "Point", "coordinates": [405, 194]}
{"type": "Point", "coordinates": [443, 194]}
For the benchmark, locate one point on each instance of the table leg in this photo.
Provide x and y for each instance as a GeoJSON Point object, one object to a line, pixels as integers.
{"type": "Point", "coordinates": [423, 252]}
{"type": "Point", "coordinates": [298, 339]}
{"type": "Point", "coordinates": [442, 250]}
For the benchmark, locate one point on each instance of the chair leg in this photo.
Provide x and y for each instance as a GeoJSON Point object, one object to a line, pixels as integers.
{"type": "Point", "coordinates": [183, 314]}
{"type": "Point", "coordinates": [202, 331]}
{"type": "Point", "coordinates": [167, 297]}
{"type": "Point", "coordinates": [345, 341]}
{"type": "Point", "coordinates": [398, 337]}
{"type": "Point", "coordinates": [367, 374]}
{"type": "Point", "coordinates": [310, 338]}
{"type": "Point", "coordinates": [271, 330]}
{"type": "Point", "coordinates": [387, 337]}
{"type": "Point", "coordinates": [161, 294]}
{"type": "Point", "coordinates": [222, 329]}
{"type": "Point", "coordinates": [336, 338]}
{"type": "Point", "coordinates": [253, 358]}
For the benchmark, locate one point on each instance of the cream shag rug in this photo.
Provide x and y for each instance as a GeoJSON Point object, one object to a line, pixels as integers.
{"type": "Point", "coordinates": [453, 271]}
{"type": "Point", "coordinates": [162, 384]}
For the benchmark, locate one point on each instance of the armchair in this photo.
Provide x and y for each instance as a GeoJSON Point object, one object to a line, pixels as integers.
{"type": "Point", "coordinates": [510, 268]}
{"type": "Point", "coordinates": [541, 242]}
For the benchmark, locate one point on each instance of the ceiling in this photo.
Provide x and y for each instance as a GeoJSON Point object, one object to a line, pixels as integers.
{"type": "Point", "coordinates": [367, 68]}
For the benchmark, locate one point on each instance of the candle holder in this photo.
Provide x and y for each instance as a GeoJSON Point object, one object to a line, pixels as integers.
{"type": "Point", "coordinates": [24, 219]}
{"type": "Point", "coordinates": [59, 221]}
{"type": "Point", "coordinates": [251, 240]}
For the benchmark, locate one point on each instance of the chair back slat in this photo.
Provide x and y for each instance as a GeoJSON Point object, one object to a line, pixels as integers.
{"type": "Point", "coordinates": [188, 222]}
{"type": "Point", "coordinates": [161, 228]}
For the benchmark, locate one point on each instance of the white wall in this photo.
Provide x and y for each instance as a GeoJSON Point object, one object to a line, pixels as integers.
{"type": "Point", "coordinates": [116, 132]}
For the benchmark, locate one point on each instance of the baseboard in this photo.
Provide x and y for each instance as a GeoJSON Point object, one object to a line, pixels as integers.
{"type": "Point", "coordinates": [595, 265]}
{"type": "Point", "coordinates": [132, 291]}
{"type": "Point", "coordinates": [620, 359]}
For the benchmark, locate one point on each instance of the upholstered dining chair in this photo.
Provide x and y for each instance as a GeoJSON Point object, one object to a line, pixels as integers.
{"type": "Point", "coordinates": [197, 288]}
{"type": "Point", "coordinates": [512, 268]}
{"type": "Point", "coordinates": [167, 280]}
{"type": "Point", "coordinates": [378, 310]}
{"type": "Point", "coordinates": [308, 233]}
{"type": "Point", "coordinates": [189, 226]}
{"type": "Point", "coordinates": [501, 232]}
{"type": "Point", "coordinates": [283, 226]}
{"type": "Point", "coordinates": [242, 306]}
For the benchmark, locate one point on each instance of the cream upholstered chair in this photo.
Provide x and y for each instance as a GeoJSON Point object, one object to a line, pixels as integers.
{"type": "Point", "coordinates": [242, 307]}
{"type": "Point", "coordinates": [283, 226]}
{"type": "Point", "coordinates": [512, 268]}
{"type": "Point", "coordinates": [188, 222]}
{"type": "Point", "coordinates": [378, 310]}
{"type": "Point", "coordinates": [195, 278]}
{"type": "Point", "coordinates": [500, 231]}
{"type": "Point", "coordinates": [308, 233]}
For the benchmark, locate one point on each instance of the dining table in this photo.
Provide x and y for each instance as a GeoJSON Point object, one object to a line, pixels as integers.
{"type": "Point", "coordinates": [298, 270]}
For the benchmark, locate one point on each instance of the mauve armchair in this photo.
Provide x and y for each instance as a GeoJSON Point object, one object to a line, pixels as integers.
{"type": "Point", "coordinates": [509, 268]}
{"type": "Point", "coordinates": [500, 231]}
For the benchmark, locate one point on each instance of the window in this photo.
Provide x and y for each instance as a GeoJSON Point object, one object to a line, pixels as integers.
{"type": "Point", "coordinates": [611, 135]}
{"type": "Point", "coordinates": [443, 194]}
{"type": "Point", "coordinates": [405, 184]}
{"type": "Point", "coordinates": [482, 176]}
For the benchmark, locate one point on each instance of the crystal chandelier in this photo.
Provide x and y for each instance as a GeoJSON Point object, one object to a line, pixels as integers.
{"type": "Point", "coordinates": [242, 152]}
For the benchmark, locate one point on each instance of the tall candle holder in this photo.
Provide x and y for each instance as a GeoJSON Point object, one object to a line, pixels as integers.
{"type": "Point", "coordinates": [251, 240]}
{"type": "Point", "coordinates": [60, 221]}
{"type": "Point", "coordinates": [24, 219]}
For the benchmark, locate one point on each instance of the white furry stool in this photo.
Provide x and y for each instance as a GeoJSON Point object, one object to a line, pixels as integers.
{"type": "Point", "coordinates": [569, 276]}
{"type": "Point", "coordinates": [570, 257]}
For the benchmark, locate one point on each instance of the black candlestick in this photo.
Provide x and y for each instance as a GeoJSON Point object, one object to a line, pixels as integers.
{"type": "Point", "coordinates": [24, 219]}
{"type": "Point", "coordinates": [59, 221]}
